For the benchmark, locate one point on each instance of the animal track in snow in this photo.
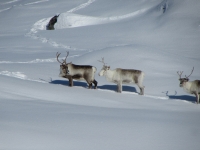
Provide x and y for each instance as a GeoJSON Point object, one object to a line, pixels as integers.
{"type": "Point", "coordinates": [9, 2]}
{"type": "Point", "coordinates": [49, 60]}
{"type": "Point", "coordinates": [29, 62]}
{"type": "Point", "coordinates": [5, 9]}
{"type": "Point", "coordinates": [22, 76]}
{"type": "Point", "coordinates": [82, 6]}
{"type": "Point", "coordinates": [36, 2]}
{"type": "Point", "coordinates": [71, 20]}
{"type": "Point", "coordinates": [20, 4]}
{"type": "Point", "coordinates": [33, 35]}
{"type": "Point", "coordinates": [19, 75]}
{"type": "Point", "coordinates": [41, 25]}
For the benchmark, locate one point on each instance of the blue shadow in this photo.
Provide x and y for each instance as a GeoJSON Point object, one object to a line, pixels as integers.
{"type": "Point", "coordinates": [104, 87]}
{"type": "Point", "coordinates": [188, 98]}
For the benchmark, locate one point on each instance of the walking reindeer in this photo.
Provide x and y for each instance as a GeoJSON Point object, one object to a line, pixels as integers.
{"type": "Point", "coordinates": [192, 87]}
{"type": "Point", "coordinates": [77, 72]}
{"type": "Point", "coordinates": [123, 76]}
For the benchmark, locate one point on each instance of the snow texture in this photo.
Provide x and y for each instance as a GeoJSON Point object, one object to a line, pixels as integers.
{"type": "Point", "coordinates": [39, 111]}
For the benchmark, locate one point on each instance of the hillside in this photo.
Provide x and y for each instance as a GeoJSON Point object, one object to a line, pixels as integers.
{"type": "Point", "coordinates": [38, 110]}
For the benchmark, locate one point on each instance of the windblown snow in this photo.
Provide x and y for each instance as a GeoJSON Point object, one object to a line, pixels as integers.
{"type": "Point", "coordinates": [38, 110]}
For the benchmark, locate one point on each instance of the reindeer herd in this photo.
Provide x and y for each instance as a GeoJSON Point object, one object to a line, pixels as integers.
{"type": "Point", "coordinates": [119, 76]}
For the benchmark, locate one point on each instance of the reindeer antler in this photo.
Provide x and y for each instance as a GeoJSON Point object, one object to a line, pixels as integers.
{"type": "Point", "coordinates": [57, 55]}
{"type": "Point", "coordinates": [102, 61]}
{"type": "Point", "coordinates": [64, 60]}
{"type": "Point", "coordinates": [190, 73]}
{"type": "Point", "coordinates": [179, 73]}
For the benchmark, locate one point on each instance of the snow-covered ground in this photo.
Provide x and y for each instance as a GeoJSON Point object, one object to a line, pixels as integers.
{"type": "Point", "coordinates": [39, 111]}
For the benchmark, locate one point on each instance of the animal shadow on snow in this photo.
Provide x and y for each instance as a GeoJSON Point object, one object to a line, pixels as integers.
{"type": "Point", "coordinates": [66, 83]}
{"type": "Point", "coordinates": [103, 87]}
{"type": "Point", "coordinates": [114, 88]}
{"type": "Point", "coordinates": [181, 97]}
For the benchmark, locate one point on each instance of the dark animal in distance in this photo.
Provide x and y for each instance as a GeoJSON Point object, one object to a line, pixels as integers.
{"type": "Point", "coordinates": [50, 25]}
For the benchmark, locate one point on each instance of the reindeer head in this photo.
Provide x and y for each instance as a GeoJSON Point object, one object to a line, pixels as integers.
{"type": "Point", "coordinates": [63, 65]}
{"type": "Point", "coordinates": [104, 68]}
{"type": "Point", "coordinates": [183, 81]}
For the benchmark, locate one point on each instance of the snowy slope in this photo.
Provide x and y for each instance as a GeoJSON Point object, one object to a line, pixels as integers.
{"type": "Point", "coordinates": [39, 111]}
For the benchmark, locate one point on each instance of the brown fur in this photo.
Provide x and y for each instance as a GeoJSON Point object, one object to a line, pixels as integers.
{"type": "Point", "coordinates": [77, 72]}
{"type": "Point", "coordinates": [198, 83]}
{"type": "Point", "coordinates": [85, 73]}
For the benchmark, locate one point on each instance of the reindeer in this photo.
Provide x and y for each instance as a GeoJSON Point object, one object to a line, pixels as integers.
{"type": "Point", "coordinates": [192, 87]}
{"type": "Point", "coordinates": [77, 72]}
{"type": "Point", "coordinates": [50, 25]}
{"type": "Point", "coordinates": [123, 76]}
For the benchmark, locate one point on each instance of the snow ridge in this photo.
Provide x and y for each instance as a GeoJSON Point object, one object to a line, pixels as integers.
{"type": "Point", "coordinates": [36, 2]}
{"type": "Point", "coordinates": [71, 20]}
{"type": "Point", "coordinates": [5, 9]}
{"type": "Point", "coordinates": [49, 60]}
{"type": "Point", "coordinates": [10, 2]}
{"type": "Point", "coordinates": [41, 25]}
{"type": "Point", "coordinates": [82, 6]}
{"type": "Point", "coordinates": [19, 75]}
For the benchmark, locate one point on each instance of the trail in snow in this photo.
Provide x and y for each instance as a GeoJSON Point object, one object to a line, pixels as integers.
{"type": "Point", "coordinates": [50, 60]}
{"type": "Point", "coordinates": [22, 76]}
{"type": "Point", "coordinates": [10, 2]}
{"type": "Point", "coordinates": [71, 20]}
{"type": "Point", "coordinates": [41, 25]}
{"type": "Point", "coordinates": [19, 75]}
{"type": "Point", "coordinates": [36, 2]}
{"type": "Point", "coordinates": [29, 62]}
{"type": "Point", "coordinates": [41, 1]}
{"type": "Point", "coordinates": [20, 4]}
{"type": "Point", "coordinates": [82, 6]}
{"type": "Point", "coordinates": [5, 9]}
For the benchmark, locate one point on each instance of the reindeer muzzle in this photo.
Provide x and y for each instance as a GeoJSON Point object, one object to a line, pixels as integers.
{"type": "Point", "coordinates": [67, 72]}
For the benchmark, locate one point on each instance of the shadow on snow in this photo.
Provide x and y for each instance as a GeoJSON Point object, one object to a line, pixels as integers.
{"type": "Point", "coordinates": [182, 97]}
{"type": "Point", "coordinates": [188, 98]}
{"type": "Point", "coordinates": [103, 87]}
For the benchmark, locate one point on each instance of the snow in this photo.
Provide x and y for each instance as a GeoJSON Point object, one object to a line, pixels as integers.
{"type": "Point", "coordinates": [38, 110]}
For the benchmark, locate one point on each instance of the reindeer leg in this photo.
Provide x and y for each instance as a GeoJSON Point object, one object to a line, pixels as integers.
{"type": "Point", "coordinates": [88, 80]}
{"type": "Point", "coordinates": [95, 84]}
{"type": "Point", "coordinates": [71, 82]}
{"type": "Point", "coordinates": [141, 89]}
{"type": "Point", "coordinates": [119, 87]}
{"type": "Point", "coordinates": [197, 97]}
{"type": "Point", "coordinates": [89, 85]}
